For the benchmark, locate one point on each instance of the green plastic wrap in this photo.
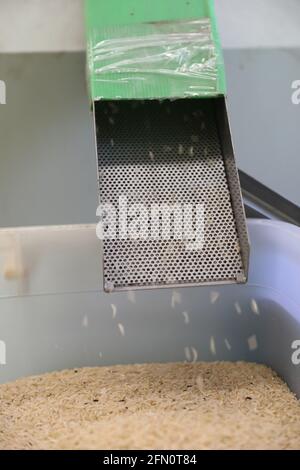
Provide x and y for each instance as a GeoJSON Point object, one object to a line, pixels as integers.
{"type": "Point", "coordinates": [176, 58]}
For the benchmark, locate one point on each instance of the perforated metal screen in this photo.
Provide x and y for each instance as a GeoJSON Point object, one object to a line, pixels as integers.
{"type": "Point", "coordinates": [166, 153]}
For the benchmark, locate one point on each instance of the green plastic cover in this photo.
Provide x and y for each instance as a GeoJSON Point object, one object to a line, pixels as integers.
{"type": "Point", "coordinates": [161, 49]}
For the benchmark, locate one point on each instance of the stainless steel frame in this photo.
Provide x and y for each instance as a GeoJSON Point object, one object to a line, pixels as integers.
{"type": "Point", "coordinates": [171, 152]}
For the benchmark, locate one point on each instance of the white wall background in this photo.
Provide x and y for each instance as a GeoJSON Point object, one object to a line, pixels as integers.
{"type": "Point", "coordinates": [57, 25]}
{"type": "Point", "coordinates": [41, 25]}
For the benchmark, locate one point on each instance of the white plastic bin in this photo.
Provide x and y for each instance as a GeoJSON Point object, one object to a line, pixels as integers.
{"type": "Point", "coordinates": [53, 314]}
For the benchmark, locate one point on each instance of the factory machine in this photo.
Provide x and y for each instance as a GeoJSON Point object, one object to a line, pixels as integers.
{"type": "Point", "coordinates": [157, 86]}
{"type": "Point", "coordinates": [158, 97]}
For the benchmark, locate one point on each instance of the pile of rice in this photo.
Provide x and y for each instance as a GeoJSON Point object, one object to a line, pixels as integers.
{"type": "Point", "coordinates": [151, 406]}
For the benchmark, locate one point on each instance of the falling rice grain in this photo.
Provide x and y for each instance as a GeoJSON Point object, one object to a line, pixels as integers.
{"type": "Point", "coordinates": [112, 142]}
{"type": "Point", "coordinates": [212, 346]}
{"type": "Point", "coordinates": [195, 354]}
{"type": "Point", "coordinates": [254, 307]}
{"type": "Point", "coordinates": [85, 321]}
{"type": "Point", "coordinates": [180, 149]}
{"type": "Point", "coordinates": [195, 138]}
{"type": "Point", "coordinates": [214, 295]}
{"type": "Point", "coordinates": [238, 308]}
{"type": "Point", "coordinates": [252, 343]}
{"type": "Point", "coordinates": [187, 354]}
{"type": "Point", "coordinates": [176, 298]}
{"type": "Point", "coordinates": [191, 151]}
{"type": "Point", "coordinates": [121, 328]}
{"type": "Point", "coordinates": [186, 317]}
{"type": "Point", "coordinates": [111, 121]}
{"type": "Point", "coordinates": [227, 344]}
{"type": "Point", "coordinates": [114, 310]}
